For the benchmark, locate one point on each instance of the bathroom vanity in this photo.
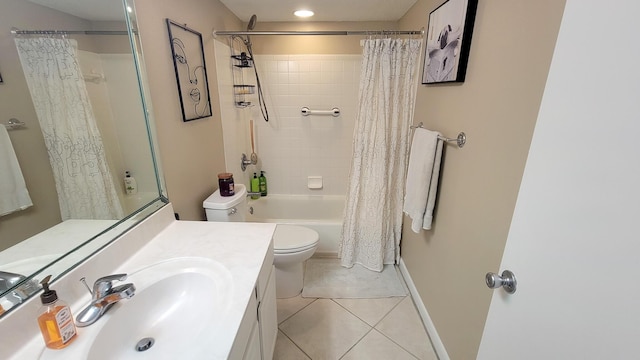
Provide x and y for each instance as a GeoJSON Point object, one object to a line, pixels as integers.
{"type": "Point", "coordinates": [205, 290]}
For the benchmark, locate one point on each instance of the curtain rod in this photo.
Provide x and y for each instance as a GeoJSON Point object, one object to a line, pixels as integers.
{"type": "Point", "coordinates": [330, 32]}
{"type": "Point", "coordinates": [67, 32]}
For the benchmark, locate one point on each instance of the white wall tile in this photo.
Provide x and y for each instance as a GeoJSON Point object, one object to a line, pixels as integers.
{"type": "Point", "coordinates": [292, 147]}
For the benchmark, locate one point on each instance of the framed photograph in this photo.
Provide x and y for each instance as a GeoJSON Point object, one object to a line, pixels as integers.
{"type": "Point", "coordinates": [448, 41]}
{"type": "Point", "coordinates": [191, 74]}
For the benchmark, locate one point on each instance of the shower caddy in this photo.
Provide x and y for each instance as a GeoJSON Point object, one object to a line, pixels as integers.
{"type": "Point", "coordinates": [241, 89]}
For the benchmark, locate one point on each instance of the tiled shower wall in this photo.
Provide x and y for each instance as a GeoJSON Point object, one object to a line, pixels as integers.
{"type": "Point", "coordinates": [292, 147]}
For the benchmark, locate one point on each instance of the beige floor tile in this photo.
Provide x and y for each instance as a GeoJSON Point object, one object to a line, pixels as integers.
{"type": "Point", "coordinates": [377, 346]}
{"type": "Point", "coordinates": [370, 311]}
{"type": "Point", "coordinates": [286, 350]}
{"type": "Point", "coordinates": [324, 330]}
{"type": "Point", "coordinates": [404, 327]}
{"type": "Point", "coordinates": [290, 306]}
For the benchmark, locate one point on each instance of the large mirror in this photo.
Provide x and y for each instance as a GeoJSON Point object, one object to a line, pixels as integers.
{"type": "Point", "coordinates": [72, 104]}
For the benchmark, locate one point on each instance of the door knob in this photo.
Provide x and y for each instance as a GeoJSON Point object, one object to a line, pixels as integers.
{"type": "Point", "coordinates": [507, 280]}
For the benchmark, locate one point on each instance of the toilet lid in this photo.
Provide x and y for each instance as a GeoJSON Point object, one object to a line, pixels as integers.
{"type": "Point", "coordinates": [290, 237]}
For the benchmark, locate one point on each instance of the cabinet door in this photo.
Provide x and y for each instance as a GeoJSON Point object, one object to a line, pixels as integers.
{"type": "Point", "coordinates": [246, 336]}
{"type": "Point", "coordinates": [268, 317]}
{"type": "Point", "coordinates": [252, 351]}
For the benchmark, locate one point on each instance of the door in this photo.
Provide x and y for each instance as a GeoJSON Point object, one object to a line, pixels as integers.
{"type": "Point", "coordinates": [574, 242]}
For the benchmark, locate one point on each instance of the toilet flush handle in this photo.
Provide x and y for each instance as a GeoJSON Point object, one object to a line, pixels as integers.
{"type": "Point", "coordinates": [233, 211]}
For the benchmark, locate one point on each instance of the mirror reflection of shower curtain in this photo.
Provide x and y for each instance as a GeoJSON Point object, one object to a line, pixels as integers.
{"type": "Point", "coordinates": [373, 211]}
{"type": "Point", "coordinates": [76, 152]}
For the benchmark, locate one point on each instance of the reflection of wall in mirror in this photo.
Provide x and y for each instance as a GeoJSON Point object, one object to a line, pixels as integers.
{"type": "Point", "coordinates": [119, 115]}
{"type": "Point", "coordinates": [15, 101]}
{"type": "Point", "coordinates": [28, 143]}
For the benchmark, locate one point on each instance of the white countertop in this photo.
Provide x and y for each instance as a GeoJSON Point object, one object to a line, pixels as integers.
{"type": "Point", "coordinates": [240, 247]}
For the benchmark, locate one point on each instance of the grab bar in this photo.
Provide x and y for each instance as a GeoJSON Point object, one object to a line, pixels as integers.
{"type": "Point", "coordinates": [335, 112]}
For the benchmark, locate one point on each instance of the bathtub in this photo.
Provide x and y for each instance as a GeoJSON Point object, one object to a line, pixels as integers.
{"type": "Point", "coordinates": [322, 213]}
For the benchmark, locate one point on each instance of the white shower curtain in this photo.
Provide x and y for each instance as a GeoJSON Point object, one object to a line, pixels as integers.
{"type": "Point", "coordinates": [76, 153]}
{"type": "Point", "coordinates": [373, 211]}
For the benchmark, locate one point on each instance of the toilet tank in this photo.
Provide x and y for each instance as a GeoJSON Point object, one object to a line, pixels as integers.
{"type": "Point", "coordinates": [227, 208]}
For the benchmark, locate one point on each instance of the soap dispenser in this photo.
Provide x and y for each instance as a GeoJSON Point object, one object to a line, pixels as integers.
{"type": "Point", "coordinates": [55, 319]}
{"type": "Point", "coordinates": [255, 186]}
{"type": "Point", "coordinates": [130, 184]}
{"type": "Point", "coordinates": [263, 184]}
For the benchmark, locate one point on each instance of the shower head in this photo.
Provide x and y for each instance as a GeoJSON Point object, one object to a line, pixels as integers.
{"type": "Point", "coordinates": [252, 22]}
{"type": "Point", "coordinates": [250, 26]}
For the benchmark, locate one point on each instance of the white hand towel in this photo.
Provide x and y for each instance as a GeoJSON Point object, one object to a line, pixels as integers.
{"type": "Point", "coordinates": [422, 178]}
{"type": "Point", "coordinates": [13, 190]}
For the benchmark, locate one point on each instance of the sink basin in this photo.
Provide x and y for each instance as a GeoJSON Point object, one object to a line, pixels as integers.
{"type": "Point", "coordinates": [178, 306]}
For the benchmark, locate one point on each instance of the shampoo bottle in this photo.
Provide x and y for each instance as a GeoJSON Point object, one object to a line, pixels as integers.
{"type": "Point", "coordinates": [263, 184]}
{"type": "Point", "coordinates": [255, 186]}
{"type": "Point", "coordinates": [130, 185]}
{"type": "Point", "coordinates": [55, 319]}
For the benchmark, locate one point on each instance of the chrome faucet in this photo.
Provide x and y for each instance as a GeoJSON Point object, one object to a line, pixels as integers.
{"type": "Point", "coordinates": [8, 280]}
{"type": "Point", "coordinates": [16, 295]}
{"type": "Point", "coordinates": [104, 295]}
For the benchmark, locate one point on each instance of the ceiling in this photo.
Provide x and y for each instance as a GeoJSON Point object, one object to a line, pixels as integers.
{"type": "Point", "coordinates": [325, 10]}
{"type": "Point", "coordinates": [266, 10]}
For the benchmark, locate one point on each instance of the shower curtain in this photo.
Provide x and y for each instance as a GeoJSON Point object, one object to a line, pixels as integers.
{"type": "Point", "coordinates": [76, 153]}
{"type": "Point", "coordinates": [373, 211]}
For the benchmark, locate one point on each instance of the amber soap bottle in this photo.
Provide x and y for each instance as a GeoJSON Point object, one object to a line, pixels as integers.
{"type": "Point", "coordinates": [55, 319]}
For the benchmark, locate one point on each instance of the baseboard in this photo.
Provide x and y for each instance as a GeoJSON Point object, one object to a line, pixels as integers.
{"type": "Point", "coordinates": [438, 346]}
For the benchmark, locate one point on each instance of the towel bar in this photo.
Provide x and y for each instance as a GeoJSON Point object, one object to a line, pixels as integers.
{"type": "Point", "coordinates": [14, 123]}
{"type": "Point", "coordinates": [461, 139]}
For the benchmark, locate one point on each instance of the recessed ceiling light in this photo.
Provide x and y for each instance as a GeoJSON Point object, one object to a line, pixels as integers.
{"type": "Point", "coordinates": [303, 13]}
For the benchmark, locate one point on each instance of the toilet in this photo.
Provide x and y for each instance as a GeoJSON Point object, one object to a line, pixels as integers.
{"type": "Point", "coordinates": [292, 244]}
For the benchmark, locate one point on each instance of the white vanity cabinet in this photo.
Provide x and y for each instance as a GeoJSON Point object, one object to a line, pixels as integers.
{"type": "Point", "coordinates": [256, 338]}
{"type": "Point", "coordinates": [240, 252]}
{"type": "Point", "coordinates": [268, 317]}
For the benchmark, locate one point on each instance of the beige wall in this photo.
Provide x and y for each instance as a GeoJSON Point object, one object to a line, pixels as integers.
{"type": "Point", "coordinates": [191, 152]}
{"type": "Point", "coordinates": [292, 45]}
{"type": "Point", "coordinates": [497, 107]}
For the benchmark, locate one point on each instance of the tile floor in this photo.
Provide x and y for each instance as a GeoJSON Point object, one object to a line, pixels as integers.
{"type": "Point", "coordinates": [384, 328]}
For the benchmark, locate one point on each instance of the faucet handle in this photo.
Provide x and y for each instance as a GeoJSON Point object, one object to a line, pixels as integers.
{"type": "Point", "coordinates": [104, 284]}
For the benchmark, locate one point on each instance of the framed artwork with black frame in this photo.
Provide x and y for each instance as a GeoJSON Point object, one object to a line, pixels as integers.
{"type": "Point", "coordinates": [449, 41]}
{"type": "Point", "coordinates": [191, 73]}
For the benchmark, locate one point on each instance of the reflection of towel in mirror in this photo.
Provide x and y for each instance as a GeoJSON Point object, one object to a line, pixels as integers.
{"type": "Point", "coordinates": [422, 178]}
{"type": "Point", "coordinates": [13, 190]}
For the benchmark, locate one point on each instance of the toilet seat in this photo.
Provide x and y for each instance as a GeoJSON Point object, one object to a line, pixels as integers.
{"type": "Point", "coordinates": [292, 238]}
